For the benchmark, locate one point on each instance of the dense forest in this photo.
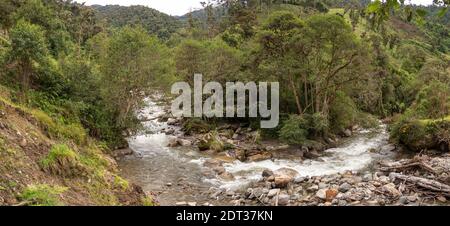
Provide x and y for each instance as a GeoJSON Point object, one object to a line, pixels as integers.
{"type": "Point", "coordinates": [78, 74]}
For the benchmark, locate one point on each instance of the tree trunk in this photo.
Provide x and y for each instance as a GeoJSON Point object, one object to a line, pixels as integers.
{"type": "Point", "coordinates": [297, 98]}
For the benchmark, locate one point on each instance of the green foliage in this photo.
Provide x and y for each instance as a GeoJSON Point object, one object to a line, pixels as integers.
{"type": "Point", "coordinates": [294, 130]}
{"type": "Point", "coordinates": [28, 43]}
{"type": "Point", "coordinates": [42, 195]}
{"type": "Point", "coordinates": [343, 112]}
{"type": "Point", "coordinates": [433, 101]}
{"type": "Point", "coordinates": [154, 22]}
{"type": "Point", "coordinates": [59, 154]}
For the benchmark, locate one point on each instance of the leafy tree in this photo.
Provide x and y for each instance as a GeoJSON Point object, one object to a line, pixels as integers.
{"type": "Point", "coordinates": [28, 47]}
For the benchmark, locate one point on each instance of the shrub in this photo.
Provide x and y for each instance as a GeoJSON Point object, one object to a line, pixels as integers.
{"type": "Point", "coordinates": [61, 160]}
{"type": "Point", "coordinates": [294, 130]}
{"type": "Point", "coordinates": [343, 112]}
{"type": "Point", "coordinates": [42, 195]}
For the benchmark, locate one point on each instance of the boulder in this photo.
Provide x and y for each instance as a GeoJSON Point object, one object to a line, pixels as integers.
{"type": "Point", "coordinates": [347, 133]}
{"type": "Point", "coordinates": [282, 181]}
{"type": "Point", "coordinates": [284, 176]}
{"type": "Point", "coordinates": [267, 173]}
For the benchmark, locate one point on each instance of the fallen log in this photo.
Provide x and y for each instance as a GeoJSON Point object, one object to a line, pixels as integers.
{"type": "Point", "coordinates": [424, 183]}
{"type": "Point", "coordinates": [418, 161]}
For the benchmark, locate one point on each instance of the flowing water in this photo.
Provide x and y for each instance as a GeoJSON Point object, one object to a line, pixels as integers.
{"type": "Point", "coordinates": [176, 174]}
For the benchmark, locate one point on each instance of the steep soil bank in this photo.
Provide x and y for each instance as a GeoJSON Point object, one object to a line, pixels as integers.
{"type": "Point", "coordinates": [43, 162]}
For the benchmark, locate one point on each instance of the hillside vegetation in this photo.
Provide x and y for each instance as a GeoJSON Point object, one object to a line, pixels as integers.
{"type": "Point", "coordinates": [72, 78]}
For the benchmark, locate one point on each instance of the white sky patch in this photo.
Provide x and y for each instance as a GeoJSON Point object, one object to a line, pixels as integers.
{"type": "Point", "coordinates": [179, 7]}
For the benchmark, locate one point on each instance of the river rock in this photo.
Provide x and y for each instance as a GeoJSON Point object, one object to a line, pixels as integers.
{"type": "Point", "coordinates": [240, 155]}
{"type": "Point", "coordinates": [282, 181]}
{"type": "Point", "coordinates": [312, 154]}
{"type": "Point", "coordinates": [331, 194]}
{"type": "Point", "coordinates": [173, 142]}
{"type": "Point", "coordinates": [284, 176]}
{"type": "Point", "coordinates": [184, 142]}
{"type": "Point", "coordinates": [286, 172]}
{"type": "Point", "coordinates": [283, 200]}
{"type": "Point", "coordinates": [267, 173]}
{"type": "Point", "coordinates": [171, 121]}
{"type": "Point", "coordinates": [347, 133]}
{"type": "Point", "coordinates": [122, 152]}
{"type": "Point", "coordinates": [345, 187]}
{"type": "Point", "coordinates": [259, 157]}
{"type": "Point", "coordinates": [212, 163]}
{"type": "Point", "coordinates": [313, 188]}
{"type": "Point", "coordinates": [322, 194]}
{"type": "Point", "coordinates": [273, 193]}
{"type": "Point", "coordinates": [226, 176]}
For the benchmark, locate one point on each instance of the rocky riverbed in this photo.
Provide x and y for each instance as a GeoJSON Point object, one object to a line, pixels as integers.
{"type": "Point", "coordinates": [232, 166]}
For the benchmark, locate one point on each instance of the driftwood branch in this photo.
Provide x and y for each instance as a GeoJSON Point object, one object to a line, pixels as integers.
{"type": "Point", "coordinates": [431, 185]}
{"type": "Point", "coordinates": [418, 161]}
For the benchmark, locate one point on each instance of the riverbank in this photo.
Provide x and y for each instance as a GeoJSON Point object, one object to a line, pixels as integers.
{"type": "Point", "coordinates": [231, 166]}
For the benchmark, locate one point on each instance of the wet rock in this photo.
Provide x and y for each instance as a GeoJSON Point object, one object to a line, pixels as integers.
{"type": "Point", "coordinates": [260, 157]}
{"type": "Point", "coordinates": [219, 169]}
{"type": "Point", "coordinates": [122, 152]}
{"type": "Point", "coordinates": [347, 133]}
{"type": "Point", "coordinates": [226, 176]}
{"type": "Point", "coordinates": [212, 163]}
{"type": "Point", "coordinates": [387, 148]}
{"type": "Point", "coordinates": [313, 154]}
{"type": "Point", "coordinates": [173, 142]}
{"type": "Point", "coordinates": [285, 172]}
{"type": "Point", "coordinates": [184, 143]}
{"type": "Point", "coordinates": [267, 173]}
{"type": "Point", "coordinates": [240, 155]}
{"type": "Point", "coordinates": [172, 121]}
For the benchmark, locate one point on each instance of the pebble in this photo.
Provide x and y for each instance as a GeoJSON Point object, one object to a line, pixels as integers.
{"type": "Point", "coordinates": [313, 188]}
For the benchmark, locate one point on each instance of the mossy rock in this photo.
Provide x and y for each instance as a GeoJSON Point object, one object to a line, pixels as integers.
{"type": "Point", "coordinates": [196, 125]}
{"type": "Point", "coordinates": [421, 135]}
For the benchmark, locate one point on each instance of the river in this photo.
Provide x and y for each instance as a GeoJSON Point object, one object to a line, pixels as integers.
{"type": "Point", "coordinates": [177, 174]}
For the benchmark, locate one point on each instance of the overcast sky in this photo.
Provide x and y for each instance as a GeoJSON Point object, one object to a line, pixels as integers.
{"type": "Point", "coordinates": [175, 7]}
